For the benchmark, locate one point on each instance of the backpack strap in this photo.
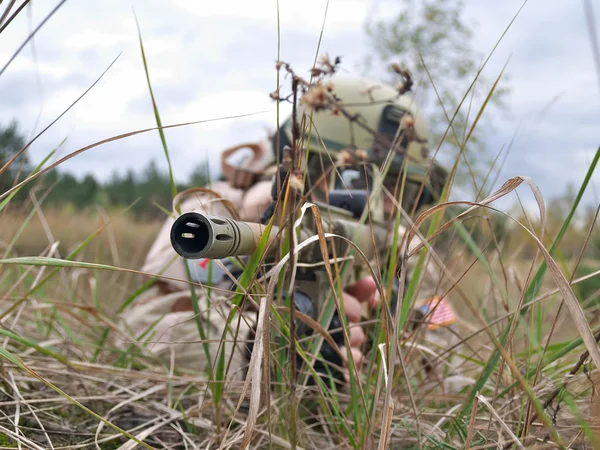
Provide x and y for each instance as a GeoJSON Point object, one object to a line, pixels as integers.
{"type": "Point", "coordinates": [243, 177]}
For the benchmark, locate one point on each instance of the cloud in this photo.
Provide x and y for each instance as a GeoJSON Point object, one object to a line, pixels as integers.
{"type": "Point", "coordinates": [307, 15]}
{"type": "Point", "coordinates": [214, 59]}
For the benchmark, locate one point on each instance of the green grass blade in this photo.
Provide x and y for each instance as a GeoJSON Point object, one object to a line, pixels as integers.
{"type": "Point", "coordinates": [531, 292]}
{"type": "Point", "coordinates": [31, 344]}
{"type": "Point", "coordinates": [155, 107]}
{"type": "Point", "coordinates": [7, 200]}
{"type": "Point", "coordinates": [536, 283]}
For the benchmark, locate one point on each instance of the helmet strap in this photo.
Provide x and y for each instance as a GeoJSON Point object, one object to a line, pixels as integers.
{"type": "Point", "coordinates": [243, 177]}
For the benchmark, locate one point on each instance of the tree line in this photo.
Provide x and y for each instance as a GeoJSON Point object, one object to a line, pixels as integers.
{"type": "Point", "coordinates": [434, 39]}
{"type": "Point", "coordinates": [146, 193]}
{"type": "Point", "coordinates": [143, 192]}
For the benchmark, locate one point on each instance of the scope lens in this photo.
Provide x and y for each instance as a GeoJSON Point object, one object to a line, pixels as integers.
{"type": "Point", "coordinates": [189, 235]}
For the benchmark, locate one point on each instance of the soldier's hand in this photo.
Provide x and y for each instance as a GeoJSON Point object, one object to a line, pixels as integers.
{"type": "Point", "coordinates": [362, 292]}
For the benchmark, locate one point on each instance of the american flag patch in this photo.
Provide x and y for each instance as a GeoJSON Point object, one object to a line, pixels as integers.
{"type": "Point", "coordinates": [438, 313]}
{"type": "Point", "coordinates": [199, 270]}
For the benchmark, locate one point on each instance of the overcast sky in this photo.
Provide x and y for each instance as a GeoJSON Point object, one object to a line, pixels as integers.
{"type": "Point", "coordinates": [216, 59]}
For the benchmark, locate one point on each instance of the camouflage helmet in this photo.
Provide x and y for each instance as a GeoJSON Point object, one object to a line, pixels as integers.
{"type": "Point", "coordinates": [378, 111]}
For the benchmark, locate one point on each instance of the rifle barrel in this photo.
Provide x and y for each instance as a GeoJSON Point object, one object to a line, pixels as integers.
{"type": "Point", "coordinates": [195, 235]}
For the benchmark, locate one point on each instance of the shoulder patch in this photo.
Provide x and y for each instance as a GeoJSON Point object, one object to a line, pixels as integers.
{"type": "Point", "coordinates": [439, 313]}
{"type": "Point", "coordinates": [199, 270]}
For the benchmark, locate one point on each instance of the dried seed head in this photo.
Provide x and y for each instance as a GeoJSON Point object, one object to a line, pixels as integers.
{"type": "Point", "coordinates": [362, 154]}
{"type": "Point", "coordinates": [296, 182]}
{"type": "Point", "coordinates": [407, 121]}
{"type": "Point", "coordinates": [325, 60]}
{"type": "Point", "coordinates": [407, 84]}
{"type": "Point", "coordinates": [315, 97]}
{"type": "Point", "coordinates": [287, 154]}
{"type": "Point", "coordinates": [315, 72]}
{"type": "Point", "coordinates": [396, 68]}
{"type": "Point", "coordinates": [274, 95]}
{"type": "Point", "coordinates": [327, 66]}
{"type": "Point", "coordinates": [329, 86]}
{"type": "Point", "coordinates": [278, 64]}
{"type": "Point", "coordinates": [344, 157]}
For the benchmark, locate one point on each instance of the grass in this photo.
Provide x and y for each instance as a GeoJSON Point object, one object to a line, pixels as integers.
{"type": "Point", "coordinates": [145, 390]}
{"type": "Point", "coordinates": [123, 242]}
{"type": "Point", "coordinates": [523, 348]}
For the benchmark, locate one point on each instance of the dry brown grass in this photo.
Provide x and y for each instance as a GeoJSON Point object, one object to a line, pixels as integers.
{"type": "Point", "coordinates": [66, 383]}
{"type": "Point", "coordinates": [124, 241]}
{"type": "Point", "coordinates": [121, 241]}
{"type": "Point", "coordinates": [139, 395]}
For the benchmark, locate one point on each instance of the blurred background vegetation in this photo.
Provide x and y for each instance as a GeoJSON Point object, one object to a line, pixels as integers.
{"type": "Point", "coordinates": [130, 209]}
{"type": "Point", "coordinates": [81, 219]}
{"type": "Point", "coordinates": [144, 191]}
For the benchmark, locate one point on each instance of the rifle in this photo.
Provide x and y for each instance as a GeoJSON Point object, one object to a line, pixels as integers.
{"type": "Point", "coordinates": [195, 235]}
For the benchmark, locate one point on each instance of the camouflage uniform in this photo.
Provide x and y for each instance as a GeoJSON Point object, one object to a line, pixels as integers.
{"type": "Point", "coordinates": [166, 307]}
{"type": "Point", "coordinates": [168, 304]}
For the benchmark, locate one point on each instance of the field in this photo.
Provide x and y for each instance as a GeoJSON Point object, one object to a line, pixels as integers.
{"type": "Point", "coordinates": [63, 377]}
{"type": "Point", "coordinates": [518, 368]}
{"type": "Point", "coordinates": [116, 240]}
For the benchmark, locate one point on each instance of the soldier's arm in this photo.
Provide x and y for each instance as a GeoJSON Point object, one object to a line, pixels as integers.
{"type": "Point", "coordinates": [161, 257]}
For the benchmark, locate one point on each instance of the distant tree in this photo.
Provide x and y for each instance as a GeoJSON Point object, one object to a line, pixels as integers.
{"type": "Point", "coordinates": [65, 188]}
{"type": "Point", "coordinates": [590, 221]}
{"type": "Point", "coordinates": [200, 175]}
{"type": "Point", "coordinates": [437, 32]}
{"type": "Point", "coordinates": [86, 192]}
{"type": "Point", "coordinates": [116, 192]}
{"type": "Point", "coordinates": [128, 188]}
{"type": "Point", "coordinates": [120, 191]}
{"type": "Point", "coordinates": [11, 141]}
{"type": "Point", "coordinates": [560, 206]}
{"type": "Point", "coordinates": [154, 189]}
{"type": "Point", "coordinates": [147, 189]}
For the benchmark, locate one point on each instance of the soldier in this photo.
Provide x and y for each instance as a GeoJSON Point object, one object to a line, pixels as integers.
{"type": "Point", "coordinates": [244, 193]}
